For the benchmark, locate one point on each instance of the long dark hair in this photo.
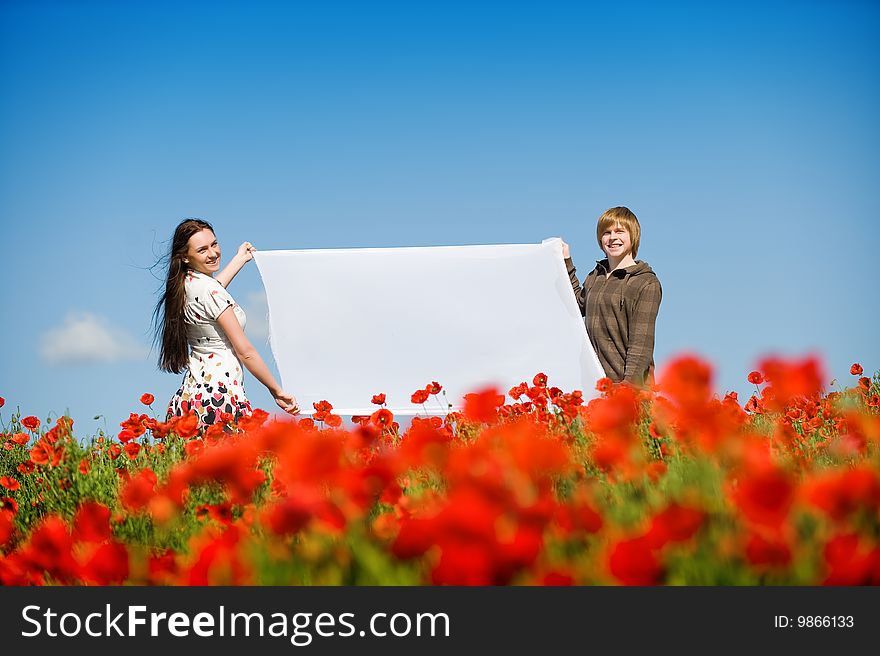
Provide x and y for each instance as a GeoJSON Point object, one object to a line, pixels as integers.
{"type": "Point", "coordinates": [168, 321]}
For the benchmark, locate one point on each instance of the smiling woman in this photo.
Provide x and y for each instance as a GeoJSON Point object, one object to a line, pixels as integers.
{"type": "Point", "coordinates": [200, 330]}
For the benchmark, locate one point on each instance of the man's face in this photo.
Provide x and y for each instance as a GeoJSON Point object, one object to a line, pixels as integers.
{"type": "Point", "coordinates": [616, 242]}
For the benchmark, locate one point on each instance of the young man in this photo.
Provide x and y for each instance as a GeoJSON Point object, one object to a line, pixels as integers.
{"type": "Point", "coordinates": [620, 299]}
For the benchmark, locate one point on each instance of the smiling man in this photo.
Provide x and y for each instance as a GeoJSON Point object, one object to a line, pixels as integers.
{"type": "Point", "coordinates": [619, 300]}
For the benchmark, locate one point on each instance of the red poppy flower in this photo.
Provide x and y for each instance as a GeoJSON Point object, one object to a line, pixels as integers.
{"type": "Point", "coordinates": [792, 379]}
{"type": "Point", "coordinates": [604, 384]}
{"type": "Point", "coordinates": [385, 527]}
{"type": "Point", "coordinates": [754, 404]}
{"type": "Point", "coordinates": [113, 451]}
{"type": "Point", "coordinates": [379, 399]}
{"type": "Point", "coordinates": [21, 438]}
{"type": "Point", "coordinates": [2, 401]}
{"type": "Point", "coordinates": [633, 562]}
{"type": "Point", "coordinates": [42, 453]}
{"type": "Point", "coordinates": [615, 415]}
{"type": "Point", "coordinates": [138, 490]}
{"type": "Point", "coordinates": [688, 381]}
{"type": "Point", "coordinates": [92, 522]}
{"type": "Point", "coordinates": [132, 449]}
{"type": "Point", "coordinates": [9, 483]}
{"type": "Point", "coordinates": [334, 421]}
{"type": "Point", "coordinates": [51, 550]}
{"type": "Point", "coordinates": [382, 417]}
{"type": "Point", "coordinates": [755, 378]}
{"type": "Point", "coordinates": [254, 420]}
{"type": "Point", "coordinates": [842, 493]}
{"type": "Point", "coordinates": [657, 468]}
{"type": "Point", "coordinates": [322, 406]}
{"type": "Point", "coordinates": [433, 387]}
{"type": "Point", "coordinates": [107, 565]}
{"type": "Point", "coordinates": [84, 466]}
{"type": "Point", "coordinates": [482, 406]}
{"type": "Point", "coordinates": [849, 561]}
{"type": "Point", "coordinates": [125, 435]}
{"type": "Point", "coordinates": [135, 424]}
{"type": "Point", "coordinates": [219, 512]}
{"type": "Point", "coordinates": [194, 447]}
{"type": "Point", "coordinates": [147, 399]}
{"type": "Point", "coordinates": [578, 516]}
{"type": "Point", "coordinates": [8, 505]}
{"type": "Point", "coordinates": [764, 497]}
{"type": "Point", "coordinates": [540, 380]}
{"type": "Point", "coordinates": [763, 552]}
{"type": "Point", "coordinates": [856, 369]}
{"type": "Point", "coordinates": [162, 568]}
{"type": "Point", "coordinates": [675, 524]}
{"type": "Point", "coordinates": [419, 396]}
{"type": "Point", "coordinates": [215, 432]}
{"type": "Point", "coordinates": [188, 426]}
{"type": "Point", "coordinates": [556, 578]}
{"type": "Point", "coordinates": [31, 423]}
{"type": "Point", "coordinates": [289, 515]}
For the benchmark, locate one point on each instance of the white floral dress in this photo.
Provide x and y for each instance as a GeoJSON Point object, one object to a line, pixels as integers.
{"type": "Point", "coordinates": [213, 384]}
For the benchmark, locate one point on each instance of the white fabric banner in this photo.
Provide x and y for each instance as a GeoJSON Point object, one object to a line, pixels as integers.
{"type": "Point", "coordinates": [346, 324]}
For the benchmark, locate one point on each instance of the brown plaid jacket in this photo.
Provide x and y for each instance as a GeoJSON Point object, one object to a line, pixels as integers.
{"type": "Point", "coordinates": [620, 313]}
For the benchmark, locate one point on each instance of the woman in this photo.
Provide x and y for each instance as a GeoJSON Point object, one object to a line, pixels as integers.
{"type": "Point", "coordinates": [620, 299]}
{"type": "Point", "coordinates": [201, 330]}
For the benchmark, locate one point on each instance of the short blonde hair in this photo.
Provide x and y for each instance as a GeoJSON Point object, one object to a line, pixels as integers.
{"type": "Point", "coordinates": [624, 217]}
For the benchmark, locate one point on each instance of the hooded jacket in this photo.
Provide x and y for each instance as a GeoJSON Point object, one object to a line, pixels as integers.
{"type": "Point", "coordinates": [620, 313]}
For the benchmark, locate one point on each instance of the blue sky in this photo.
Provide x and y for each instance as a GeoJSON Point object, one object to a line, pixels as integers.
{"type": "Point", "coordinates": [743, 135]}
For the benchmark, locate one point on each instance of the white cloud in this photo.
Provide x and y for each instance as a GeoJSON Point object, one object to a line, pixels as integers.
{"type": "Point", "coordinates": [85, 338]}
{"type": "Point", "coordinates": [257, 310]}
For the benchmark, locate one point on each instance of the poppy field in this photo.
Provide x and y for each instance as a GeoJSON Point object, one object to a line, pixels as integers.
{"type": "Point", "coordinates": [676, 485]}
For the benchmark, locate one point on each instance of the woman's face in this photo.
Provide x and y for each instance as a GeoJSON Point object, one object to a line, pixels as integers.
{"type": "Point", "coordinates": [203, 253]}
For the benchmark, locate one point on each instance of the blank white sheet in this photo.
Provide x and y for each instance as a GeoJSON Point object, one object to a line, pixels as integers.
{"type": "Point", "coordinates": [346, 324]}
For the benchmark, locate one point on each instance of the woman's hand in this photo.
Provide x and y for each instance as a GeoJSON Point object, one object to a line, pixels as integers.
{"type": "Point", "coordinates": [566, 252]}
{"type": "Point", "coordinates": [246, 251]}
{"type": "Point", "coordinates": [244, 255]}
{"type": "Point", "coordinates": [287, 402]}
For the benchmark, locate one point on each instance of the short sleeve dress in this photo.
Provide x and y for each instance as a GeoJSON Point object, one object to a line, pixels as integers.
{"type": "Point", "coordinates": [213, 383]}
